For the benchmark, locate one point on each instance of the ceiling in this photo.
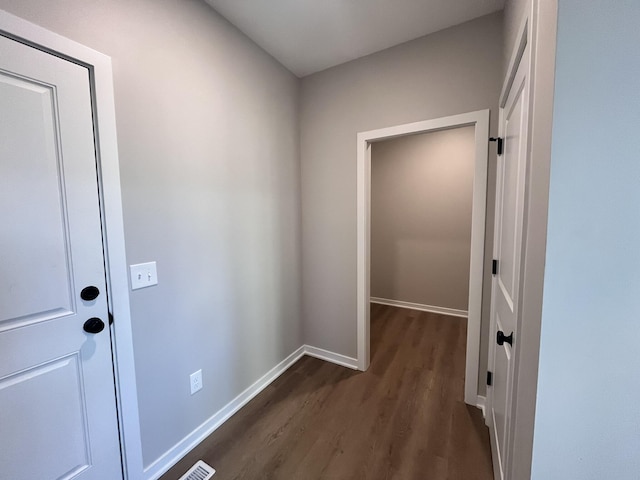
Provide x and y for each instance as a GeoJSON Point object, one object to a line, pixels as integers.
{"type": "Point", "coordinates": [307, 36]}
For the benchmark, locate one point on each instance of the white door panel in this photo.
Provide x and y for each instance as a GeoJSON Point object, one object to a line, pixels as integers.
{"type": "Point", "coordinates": [36, 419]}
{"type": "Point", "coordinates": [510, 195]}
{"type": "Point", "coordinates": [510, 204]}
{"type": "Point", "coordinates": [36, 212]}
{"type": "Point", "coordinates": [57, 399]}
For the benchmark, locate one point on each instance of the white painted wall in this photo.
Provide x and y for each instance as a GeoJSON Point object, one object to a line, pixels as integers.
{"type": "Point", "coordinates": [421, 199]}
{"type": "Point", "coordinates": [588, 410]}
{"type": "Point", "coordinates": [457, 70]}
{"type": "Point", "coordinates": [208, 145]}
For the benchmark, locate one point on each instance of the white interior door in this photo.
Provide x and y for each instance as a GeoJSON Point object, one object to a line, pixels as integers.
{"type": "Point", "coordinates": [510, 195]}
{"type": "Point", "coordinates": [57, 395]}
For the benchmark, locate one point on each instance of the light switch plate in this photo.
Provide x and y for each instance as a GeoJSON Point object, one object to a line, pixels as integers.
{"type": "Point", "coordinates": [143, 275]}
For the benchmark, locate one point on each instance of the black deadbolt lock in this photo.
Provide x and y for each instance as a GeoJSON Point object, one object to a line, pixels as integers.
{"type": "Point", "coordinates": [89, 293]}
{"type": "Point", "coordinates": [93, 325]}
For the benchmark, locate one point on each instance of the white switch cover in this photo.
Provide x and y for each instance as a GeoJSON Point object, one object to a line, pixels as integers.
{"type": "Point", "coordinates": [143, 275]}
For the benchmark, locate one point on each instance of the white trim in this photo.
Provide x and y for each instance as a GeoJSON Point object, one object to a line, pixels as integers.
{"type": "Point", "coordinates": [495, 459]}
{"type": "Point", "coordinates": [363, 259]}
{"type": "Point", "coordinates": [332, 357]}
{"type": "Point", "coordinates": [539, 58]}
{"type": "Point", "coordinates": [481, 404]}
{"type": "Point", "coordinates": [184, 446]}
{"type": "Point", "coordinates": [542, 37]}
{"type": "Point", "coordinates": [101, 81]}
{"type": "Point", "coordinates": [480, 120]}
{"type": "Point", "coordinates": [453, 312]}
{"type": "Point", "coordinates": [516, 54]}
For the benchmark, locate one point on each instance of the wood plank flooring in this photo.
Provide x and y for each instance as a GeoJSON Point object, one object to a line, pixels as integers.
{"type": "Point", "coordinates": [403, 419]}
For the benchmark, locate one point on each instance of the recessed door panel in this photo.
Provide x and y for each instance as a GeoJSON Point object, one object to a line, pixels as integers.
{"type": "Point", "coordinates": [46, 422]}
{"type": "Point", "coordinates": [510, 201]}
{"type": "Point", "coordinates": [32, 206]}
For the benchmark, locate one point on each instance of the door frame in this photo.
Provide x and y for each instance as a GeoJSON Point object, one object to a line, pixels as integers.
{"type": "Point", "coordinates": [520, 59]}
{"type": "Point", "coordinates": [480, 120]}
{"type": "Point", "coordinates": [104, 124]}
{"type": "Point", "coordinates": [538, 28]}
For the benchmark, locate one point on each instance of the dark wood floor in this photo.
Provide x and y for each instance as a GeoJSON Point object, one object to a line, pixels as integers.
{"type": "Point", "coordinates": [402, 419]}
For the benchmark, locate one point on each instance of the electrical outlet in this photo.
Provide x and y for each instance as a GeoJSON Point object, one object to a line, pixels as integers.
{"type": "Point", "coordinates": [196, 381]}
{"type": "Point", "coordinates": [143, 275]}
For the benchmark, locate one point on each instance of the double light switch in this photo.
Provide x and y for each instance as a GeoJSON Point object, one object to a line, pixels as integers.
{"type": "Point", "coordinates": [143, 275]}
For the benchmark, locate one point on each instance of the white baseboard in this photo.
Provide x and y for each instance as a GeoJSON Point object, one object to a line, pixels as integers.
{"type": "Point", "coordinates": [332, 357]}
{"type": "Point", "coordinates": [481, 404]}
{"type": "Point", "coordinates": [179, 450]}
{"type": "Point", "coordinates": [419, 306]}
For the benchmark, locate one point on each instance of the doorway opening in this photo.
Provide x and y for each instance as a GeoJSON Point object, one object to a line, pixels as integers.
{"type": "Point", "coordinates": [480, 121]}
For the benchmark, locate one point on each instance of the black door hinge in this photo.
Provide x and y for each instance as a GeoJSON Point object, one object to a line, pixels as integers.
{"type": "Point", "coordinates": [489, 378]}
{"type": "Point", "coordinates": [494, 267]}
{"type": "Point", "coordinates": [500, 143]}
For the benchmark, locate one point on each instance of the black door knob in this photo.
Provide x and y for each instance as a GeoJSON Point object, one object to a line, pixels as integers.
{"type": "Point", "coordinates": [93, 325]}
{"type": "Point", "coordinates": [502, 338]}
{"type": "Point", "coordinates": [89, 293]}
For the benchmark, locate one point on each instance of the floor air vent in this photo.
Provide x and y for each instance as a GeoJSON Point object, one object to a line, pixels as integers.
{"type": "Point", "coordinates": [200, 471]}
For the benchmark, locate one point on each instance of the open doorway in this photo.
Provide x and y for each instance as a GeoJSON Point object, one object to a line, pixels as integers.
{"type": "Point", "coordinates": [479, 122]}
{"type": "Point", "coordinates": [421, 199]}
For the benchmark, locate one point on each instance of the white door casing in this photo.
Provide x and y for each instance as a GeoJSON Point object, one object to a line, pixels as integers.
{"type": "Point", "coordinates": [508, 248]}
{"type": "Point", "coordinates": [480, 120]}
{"type": "Point", "coordinates": [57, 393]}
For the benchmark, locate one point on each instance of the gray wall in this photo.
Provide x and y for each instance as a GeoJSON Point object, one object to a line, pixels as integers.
{"type": "Point", "coordinates": [208, 143]}
{"type": "Point", "coordinates": [588, 415]}
{"type": "Point", "coordinates": [421, 198]}
{"type": "Point", "coordinates": [454, 71]}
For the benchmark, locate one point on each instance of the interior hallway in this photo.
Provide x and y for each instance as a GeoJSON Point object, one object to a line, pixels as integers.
{"type": "Point", "coordinates": [404, 418]}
